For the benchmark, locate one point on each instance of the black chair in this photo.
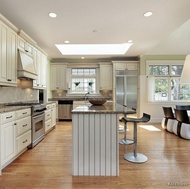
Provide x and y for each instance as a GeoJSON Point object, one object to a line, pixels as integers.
{"type": "Point", "coordinates": [182, 128]}
{"type": "Point", "coordinates": [168, 119]}
{"type": "Point", "coordinates": [183, 107]}
{"type": "Point", "coordinates": [134, 156]}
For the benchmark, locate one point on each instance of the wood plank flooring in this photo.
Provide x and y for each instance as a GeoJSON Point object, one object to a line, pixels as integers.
{"type": "Point", "coordinates": [48, 165]}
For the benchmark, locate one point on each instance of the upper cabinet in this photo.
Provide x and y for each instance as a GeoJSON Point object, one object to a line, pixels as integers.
{"type": "Point", "coordinates": [106, 76]}
{"type": "Point", "coordinates": [8, 56]}
{"type": "Point", "coordinates": [126, 66]}
{"type": "Point", "coordinates": [25, 46]}
{"type": "Point", "coordinates": [40, 61]}
{"type": "Point", "coordinates": [58, 76]}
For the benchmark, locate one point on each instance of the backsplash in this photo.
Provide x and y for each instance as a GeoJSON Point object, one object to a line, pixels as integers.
{"type": "Point", "coordinates": [15, 94]}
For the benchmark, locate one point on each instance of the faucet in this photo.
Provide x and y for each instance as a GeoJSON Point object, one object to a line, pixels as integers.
{"type": "Point", "coordinates": [85, 96]}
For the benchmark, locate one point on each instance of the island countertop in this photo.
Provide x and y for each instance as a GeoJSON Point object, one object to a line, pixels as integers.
{"type": "Point", "coordinates": [109, 107]}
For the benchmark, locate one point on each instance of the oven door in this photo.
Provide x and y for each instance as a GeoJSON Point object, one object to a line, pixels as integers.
{"type": "Point", "coordinates": [38, 128]}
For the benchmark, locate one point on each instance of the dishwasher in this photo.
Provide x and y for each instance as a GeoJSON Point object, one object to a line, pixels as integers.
{"type": "Point", "coordinates": [64, 110]}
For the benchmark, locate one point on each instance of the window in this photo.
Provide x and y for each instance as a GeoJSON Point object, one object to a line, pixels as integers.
{"type": "Point", "coordinates": [83, 80]}
{"type": "Point", "coordinates": [164, 82]}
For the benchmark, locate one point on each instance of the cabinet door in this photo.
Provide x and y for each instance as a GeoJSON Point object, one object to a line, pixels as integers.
{"type": "Point", "coordinates": [7, 142]}
{"type": "Point", "coordinates": [23, 141]}
{"type": "Point", "coordinates": [8, 56]}
{"type": "Point", "coordinates": [23, 125]}
{"type": "Point", "coordinates": [37, 60]}
{"type": "Point", "coordinates": [25, 46]}
{"type": "Point", "coordinates": [53, 116]}
{"type": "Point", "coordinates": [106, 76]}
{"type": "Point", "coordinates": [12, 58]}
{"type": "Point", "coordinates": [58, 77]}
{"type": "Point", "coordinates": [41, 69]}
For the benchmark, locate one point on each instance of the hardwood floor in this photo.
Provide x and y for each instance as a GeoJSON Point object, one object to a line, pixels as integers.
{"type": "Point", "coordinates": [49, 164]}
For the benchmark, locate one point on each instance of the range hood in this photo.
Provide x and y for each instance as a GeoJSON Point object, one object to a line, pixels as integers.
{"type": "Point", "coordinates": [26, 67]}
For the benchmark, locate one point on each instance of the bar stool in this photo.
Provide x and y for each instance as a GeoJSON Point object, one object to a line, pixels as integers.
{"type": "Point", "coordinates": [134, 156]}
{"type": "Point", "coordinates": [124, 140]}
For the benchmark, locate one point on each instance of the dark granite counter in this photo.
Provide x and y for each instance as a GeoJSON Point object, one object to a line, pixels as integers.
{"type": "Point", "coordinates": [108, 107]}
{"type": "Point", "coordinates": [78, 98]}
{"type": "Point", "coordinates": [4, 108]}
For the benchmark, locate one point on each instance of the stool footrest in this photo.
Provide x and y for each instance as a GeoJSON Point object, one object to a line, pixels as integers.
{"type": "Point", "coordinates": [140, 158]}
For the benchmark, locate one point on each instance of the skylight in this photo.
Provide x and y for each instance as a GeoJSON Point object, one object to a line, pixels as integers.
{"type": "Point", "coordinates": [93, 49]}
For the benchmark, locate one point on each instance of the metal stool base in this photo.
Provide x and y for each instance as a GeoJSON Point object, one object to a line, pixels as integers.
{"type": "Point", "coordinates": [140, 158]}
{"type": "Point", "coordinates": [128, 141]}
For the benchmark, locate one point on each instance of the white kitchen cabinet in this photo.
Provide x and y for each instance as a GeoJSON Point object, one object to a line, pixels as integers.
{"type": "Point", "coordinates": [7, 137]}
{"type": "Point", "coordinates": [15, 134]}
{"type": "Point", "coordinates": [48, 115]}
{"type": "Point", "coordinates": [40, 61]}
{"type": "Point", "coordinates": [25, 46]}
{"type": "Point", "coordinates": [58, 76]}
{"type": "Point", "coordinates": [23, 130]}
{"type": "Point", "coordinates": [106, 76]}
{"type": "Point", "coordinates": [8, 56]}
{"type": "Point", "coordinates": [53, 115]}
{"type": "Point", "coordinates": [126, 66]}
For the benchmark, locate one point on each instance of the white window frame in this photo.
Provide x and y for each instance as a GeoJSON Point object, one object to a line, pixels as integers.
{"type": "Point", "coordinates": [170, 63]}
{"type": "Point", "coordinates": [70, 92]}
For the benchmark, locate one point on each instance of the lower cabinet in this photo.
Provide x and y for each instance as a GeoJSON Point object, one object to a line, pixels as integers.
{"type": "Point", "coordinates": [23, 141]}
{"type": "Point", "coordinates": [7, 142]}
{"type": "Point", "coordinates": [50, 117]}
{"type": "Point", "coordinates": [23, 133]}
{"type": "Point", "coordinates": [15, 135]}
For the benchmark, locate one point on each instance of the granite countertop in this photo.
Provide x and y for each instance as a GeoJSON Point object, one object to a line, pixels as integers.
{"type": "Point", "coordinates": [4, 109]}
{"type": "Point", "coordinates": [108, 107]}
{"type": "Point", "coordinates": [78, 98]}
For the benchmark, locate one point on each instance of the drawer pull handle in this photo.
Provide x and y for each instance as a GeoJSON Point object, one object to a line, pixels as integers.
{"type": "Point", "coordinates": [24, 125]}
{"type": "Point", "coordinates": [25, 141]}
{"type": "Point", "coordinates": [9, 117]}
{"type": "Point", "coordinates": [24, 113]}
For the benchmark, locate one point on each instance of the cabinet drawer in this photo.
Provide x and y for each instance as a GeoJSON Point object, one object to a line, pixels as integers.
{"type": "Point", "coordinates": [23, 141]}
{"type": "Point", "coordinates": [23, 125]}
{"type": "Point", "coordinates": [48, 106]}
{"type": "Point", "coordinates": [53, 105]}
{"type": "Point", "coordinates": [47, 115]}
{"type": "Point", "coordinates": [7, 117]}
{"type": "Point", "coordinates": [48, 125]}
{"type": "Point", "coordinates": [23, 113]}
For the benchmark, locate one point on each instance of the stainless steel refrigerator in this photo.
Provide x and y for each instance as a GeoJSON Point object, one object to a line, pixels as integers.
{"type": "Point", "coordinates": [126, 88]}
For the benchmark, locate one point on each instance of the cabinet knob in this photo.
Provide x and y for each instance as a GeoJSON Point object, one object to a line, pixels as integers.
{"type": "Point", "coordinates": [9, 80]}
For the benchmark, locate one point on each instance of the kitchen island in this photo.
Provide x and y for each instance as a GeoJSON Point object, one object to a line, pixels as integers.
{"type": "Point", "coordinates": [95, 139]}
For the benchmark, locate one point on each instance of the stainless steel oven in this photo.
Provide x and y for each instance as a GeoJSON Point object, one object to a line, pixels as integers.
{"type": "Point", "coordinates": [38, 129]}
{"type": "Point", "coordinates": [38, 124]}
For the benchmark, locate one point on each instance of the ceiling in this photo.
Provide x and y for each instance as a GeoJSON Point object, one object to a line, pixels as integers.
{"type": "Point", "coordinates": [167, 31]}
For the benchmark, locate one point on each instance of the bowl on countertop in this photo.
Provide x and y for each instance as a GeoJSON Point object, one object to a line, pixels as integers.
{"type": "Point", "coordinates": [97, 102]}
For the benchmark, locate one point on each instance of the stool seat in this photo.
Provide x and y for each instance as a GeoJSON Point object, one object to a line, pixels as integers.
{"type": "Point", "coordinates": [134, 156]}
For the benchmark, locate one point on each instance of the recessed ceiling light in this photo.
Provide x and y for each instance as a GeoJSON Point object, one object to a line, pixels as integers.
{"type": "Point", "coordinates": [52, 15]}
{"type": "Point", "coordinates": [147, 14]}
{"type": "Point", "coordinates": [93, 49]}
{"type": "Point", "coordinates": [130, 41]}
{"type": "Point", "coordinates": [82, 57]}
{"type": "Point", "coordinates": [66, 41]}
